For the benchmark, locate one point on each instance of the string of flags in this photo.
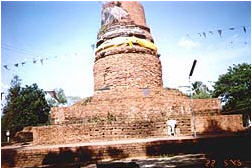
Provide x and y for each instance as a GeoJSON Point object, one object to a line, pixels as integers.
{"type": "Point", "coordinates": [27, 52]}
{"type": "Point", "coordinates": [41, 60]}
{"type": "Point", "coordinates": [11, 48]}
{"type": "Point", "coordinates": [220, 31]}
{"type": "Point", "coordinates": [204, 34]}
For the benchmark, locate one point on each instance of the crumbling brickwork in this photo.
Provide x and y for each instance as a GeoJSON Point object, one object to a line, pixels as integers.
{"type": "Point", "coordinates": [127, 103]}
{"type": "Point", "coordinates": [219, 124]}
{"type": "Point", "coordinates": [83, 154]}
{"type": "Point", "coordinates": [107, 131]}
{"type": "Point", "coordinates": [128, 88]}
{"type": "Point", "coordinates": [118, 65]}
{"type": "Point", "coordinates": [128, 70]}
{"type": "Point", "coordinates": [205, 107]}
{"type": "Point", "coordinates": [135, 104]}
{"type": "Point", "coordinates": [135, 11]}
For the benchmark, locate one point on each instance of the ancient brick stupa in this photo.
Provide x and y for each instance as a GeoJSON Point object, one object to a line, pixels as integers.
{"type": "Point", "coordinates": [126, 56]}
{"type": "Point", "coordinates": [129, 100]}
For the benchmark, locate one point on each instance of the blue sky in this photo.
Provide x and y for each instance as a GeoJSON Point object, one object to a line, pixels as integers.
{"type": "Point", "coordinates": [63, 33]}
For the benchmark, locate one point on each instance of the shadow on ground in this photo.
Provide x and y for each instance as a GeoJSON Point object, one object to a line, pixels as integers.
{"type": "Point", "coordinates": [219, 151]}
{"type": "Point", "coordinates": [228, 151]}
{"type": "Point", "coordinates": [82, 156]}
{"type": "Point", "coordinates": [8, 158]}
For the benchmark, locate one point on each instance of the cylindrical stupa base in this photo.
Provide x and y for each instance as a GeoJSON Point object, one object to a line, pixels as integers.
{"type": "Point", "coordinates": [128, 70]}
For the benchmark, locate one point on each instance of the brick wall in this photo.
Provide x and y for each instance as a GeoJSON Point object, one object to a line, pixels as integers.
{"type": "Point", "coordinates": [76, 155]}
{"type": "Point", "coordinates": [206, 106]}
{"type": "Point", "coordinates": [102, 131]}
{"type": "Point", "coordinates": [219, 123]}
{"type": "Point", "coordinates": [128, 104]}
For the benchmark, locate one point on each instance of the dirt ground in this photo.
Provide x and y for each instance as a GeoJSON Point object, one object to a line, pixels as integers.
{"type": "Point", "coordinates": [181, 161]}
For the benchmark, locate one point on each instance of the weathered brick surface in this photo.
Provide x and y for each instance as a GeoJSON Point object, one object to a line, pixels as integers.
{"type": "Point", "coordinates": [125, 69]}
{"type": "Point", "coordinates": [219, 123]}
{"type": "Point", "coordinates": [65, 156]}
{"type": "Point", "coordinates": [74, 156]}
{"type": "Point", "coordinates": [206, 106]}
{"type": "Point", "coordinates": [25, 135]}
{"type": "Point", "coordinates": [136, 12]}
{"type": "Point", "coordinates": [103, 131]}
{"type": "Point", "coordinates": [130, 70]}
{"type": "Point", "coordinates": [134, 9]}
{"type": "Point", "coordinates": [142, 128]}
{"type": "Point", "coordinates": [135, 104]}
{"type": "Point", "coordinates": [134, 76]}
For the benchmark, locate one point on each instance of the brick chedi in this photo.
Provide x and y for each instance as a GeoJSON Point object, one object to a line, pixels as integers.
{"type": "Point", "coordinates": [126, 56]}
{"type": "Point", "coordinates": [129, 100]}
{"type": "Point", "coordinates": [128, 74]}
{"type": "Point", "coordinates": [129, 106]}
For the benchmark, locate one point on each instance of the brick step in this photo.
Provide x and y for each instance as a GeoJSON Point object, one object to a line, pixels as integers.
{"type": "Point", "coordinates": [83, 154]}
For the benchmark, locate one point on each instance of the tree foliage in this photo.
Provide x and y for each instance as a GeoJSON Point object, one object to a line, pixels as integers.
{"type": "Point", "coordinates": [61, 98]}
{"type": "Point", "coordinates": [25, 106]}
{"type": "Point", "coordinates": [234, 89]}
{"type": "Point", "coordinates": [200, 90]}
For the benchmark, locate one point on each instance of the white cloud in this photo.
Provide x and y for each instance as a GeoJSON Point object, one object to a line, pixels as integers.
{"type": "Point", "coordinates": [188, 44]}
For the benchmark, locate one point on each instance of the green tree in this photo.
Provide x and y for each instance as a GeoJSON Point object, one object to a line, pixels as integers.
{"type": "Point", "coordinates": [59, 99]}
{"type": "Point", "coordinates": [200, 90]}
{"type": "Point", "coordinates": [234, 88]}
{"type": "Point", "coordinates": [25, 106]}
